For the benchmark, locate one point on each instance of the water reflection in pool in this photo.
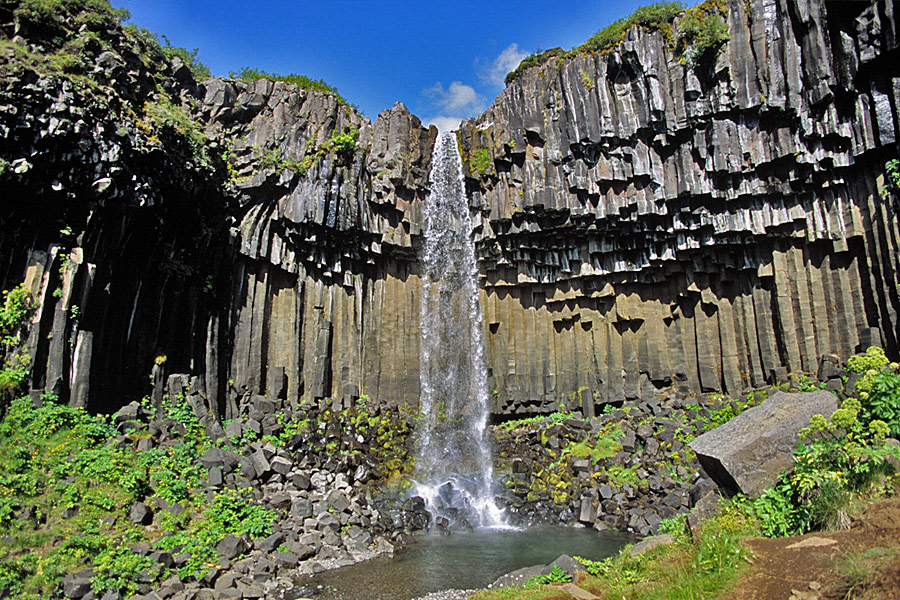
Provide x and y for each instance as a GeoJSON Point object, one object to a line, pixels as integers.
{"type": "Point", "coordinates": [464, 561]}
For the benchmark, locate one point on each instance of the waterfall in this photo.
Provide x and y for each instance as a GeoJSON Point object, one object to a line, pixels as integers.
{"type": "Point", "coordinates": [453, 458]}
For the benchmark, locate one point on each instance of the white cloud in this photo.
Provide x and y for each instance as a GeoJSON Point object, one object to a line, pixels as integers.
{"type": "Point", "coordinates": [495, 72]}
{"type": "Point", "coordinates": [445, 123]}
{"type": "Point", "coordinates": [456, 99]}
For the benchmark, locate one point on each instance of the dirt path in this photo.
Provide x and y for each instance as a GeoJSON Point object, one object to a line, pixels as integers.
{"type": "Point", "coordinates": [806, 567]}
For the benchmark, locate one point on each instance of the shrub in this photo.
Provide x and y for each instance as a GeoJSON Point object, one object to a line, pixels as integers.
{"type": "Point", "coordinates": [873, 359]}
{"type": "Point", "coordinates": [229, 513]}
{"type": "Point", "coordinates": [117, 568]}
{"type": "Point", "coordinates": [844, 454]}
{"type": "Point", "coordinates": [891, 167]}
{"type": "Point", "coordinates": [163, 119]}
{"type": "Point", "coordinates": [701, 32]}
{"type": "Point", "coordinates": [883, 401]}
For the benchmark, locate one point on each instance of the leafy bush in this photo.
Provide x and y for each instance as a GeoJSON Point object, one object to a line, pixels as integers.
{"type": "Point", "coordinates": [891, 167]}
{"type": "Point", "coordinates": [844, 454]}
{"type": "Point", "coordinates": [342, 143]}
{"type": "Point", "coordinates": [883, 401]}
{"type": "Point", "coordinates": [701, 32]}
{"type": "Point", "coordinates": [301, 81]}
{"type": "Point", "coordinates": [17, 308]}
{"type": "Point", "coordinates": [229, 513]}
{"type": "Point", "coordinates": [117, 568]}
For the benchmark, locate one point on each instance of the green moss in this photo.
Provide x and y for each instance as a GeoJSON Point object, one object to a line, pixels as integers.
{"type": "Point", "coordinates": [702, 31]}
{"type": "Point", "coordinates": [481, 160]}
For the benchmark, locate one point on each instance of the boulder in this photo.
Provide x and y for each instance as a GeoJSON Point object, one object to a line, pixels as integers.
{"type": "Point", "coordinates": [519, 576]}
{"type": "Point", "coordinates": [141, 513]}
{"type": "Point", "coordinates": [650, 543]}
{"type": "Point", "coordinates": [748, 453]}
{"type": "Point", "coordinates": [231, 546]}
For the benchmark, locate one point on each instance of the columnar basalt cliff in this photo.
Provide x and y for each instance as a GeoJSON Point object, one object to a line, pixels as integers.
{"type": "Point", "coordinates": [648, 225]}
{"type": "Point", "coordinates": [642, 228]}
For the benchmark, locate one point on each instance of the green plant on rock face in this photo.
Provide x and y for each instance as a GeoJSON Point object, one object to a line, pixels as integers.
{"type": "Point", "coordinates": [16, 362]}
{"type": "Point", "coordinates": [891, 167]}
{"type": "Point", "coordinates": [537, 57]}
{"type": "Point", "coordinates": [229, 513]}
{"type": "Point", "coordinates": [873, 359]}
{"type": "Point", "coordinates": [56, 14]}
{"type": "Point", "coordinates": [342, 143]}
{"type": "Point", "coordinates": [807, 384]}
{"type": "Point", "coordinates": [701, 32]}
{"type": "Point", "coordinates": [118, 568]}
{"type": "Point", "coordinates": [163, 119]}
{"type": "Point", "coordinates": [179, 410]}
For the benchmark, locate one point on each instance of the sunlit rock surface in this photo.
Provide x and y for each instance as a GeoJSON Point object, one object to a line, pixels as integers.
{"type": "Point", "coordinates": [642, 229]}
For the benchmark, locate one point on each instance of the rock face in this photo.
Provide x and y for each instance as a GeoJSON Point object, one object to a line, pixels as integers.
{"type": "Point", "coordinates": [645, 225]}
{"type": "Point", "coordinates": [642, 228]}
{"type": "Point", "coordinates": [749, 453]}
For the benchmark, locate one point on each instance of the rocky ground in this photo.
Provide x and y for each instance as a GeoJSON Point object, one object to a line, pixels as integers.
{"type": "Point", "coordinates": [334, 481]}
{"type": "Point", "coordinates": [861, 562]}
{"type": "Point", "coordinates": [627, 469]}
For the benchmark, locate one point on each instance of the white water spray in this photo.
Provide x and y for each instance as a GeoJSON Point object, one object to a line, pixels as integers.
{"type": "Point", "coordinates": [453, 457]}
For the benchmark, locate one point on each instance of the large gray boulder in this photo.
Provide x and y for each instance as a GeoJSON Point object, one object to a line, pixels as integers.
{"type": "Point", "coordinates": [747, 453]}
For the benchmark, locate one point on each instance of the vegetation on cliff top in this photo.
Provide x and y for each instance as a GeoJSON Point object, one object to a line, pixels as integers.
{"type": "Point", "coordinates": [700, 32]}
{"type": "Point", "coordinates": [301, 81]}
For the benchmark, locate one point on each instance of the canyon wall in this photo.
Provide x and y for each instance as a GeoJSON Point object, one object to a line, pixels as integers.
{"type": "Point", "coordinates": [647, 225]}
{"type": "Point", "coordinates": [643, 229]}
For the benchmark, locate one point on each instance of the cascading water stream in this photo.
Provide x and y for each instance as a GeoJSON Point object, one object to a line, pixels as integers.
{"type": "Point", "coordinates": [453, 456]}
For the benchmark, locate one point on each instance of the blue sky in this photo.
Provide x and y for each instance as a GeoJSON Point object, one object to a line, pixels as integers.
{"type": "Point", "coordinates": [444, 60]}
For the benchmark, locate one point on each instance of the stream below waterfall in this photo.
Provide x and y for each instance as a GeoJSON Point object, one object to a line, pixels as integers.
{"type": "Point", "coordinates": [434, 562]}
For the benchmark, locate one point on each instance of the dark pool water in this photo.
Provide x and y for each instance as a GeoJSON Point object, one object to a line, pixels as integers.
{"type": "Point", "coordinates": [462, 561]}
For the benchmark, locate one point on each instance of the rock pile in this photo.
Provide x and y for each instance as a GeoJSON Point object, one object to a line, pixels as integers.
{"type": "Point", "coordinates": [629, 468]}
{"type": "Point", "coordinates": [322, 482]}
